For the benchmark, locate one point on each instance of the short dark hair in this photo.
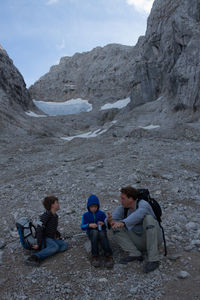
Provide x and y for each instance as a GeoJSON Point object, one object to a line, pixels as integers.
{"type": "Point", "coordinates": [48, 201]}
{"type": "Point", "coordinates": [129, 191]}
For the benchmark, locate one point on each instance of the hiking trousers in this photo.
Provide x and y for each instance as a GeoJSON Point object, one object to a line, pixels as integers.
{"type": "Point", "coordinates": [52, 246]}
{"type": "Point", "coordinates": [149, 241]}
{"type": "Point", "coordinates": [95, 237]}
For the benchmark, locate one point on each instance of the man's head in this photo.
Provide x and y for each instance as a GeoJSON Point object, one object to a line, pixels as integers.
{"type": "Point", "coordinates": [128, 197]}
{"type": "Point", "coordinates": [51, 202]}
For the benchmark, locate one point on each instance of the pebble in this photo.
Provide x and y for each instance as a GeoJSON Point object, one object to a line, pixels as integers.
{"type": "Point", "coordinates": [183, 274]}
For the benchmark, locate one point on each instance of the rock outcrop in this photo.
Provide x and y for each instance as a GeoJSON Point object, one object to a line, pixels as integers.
{"type": "Point", "coordinates": [163, 63]}
{"type": "Point", "coordinates": [170, 60]}
{"type": "Point", "coordinates": [14, 97]}
{"type": "Point", "coordinates": [103, 73]}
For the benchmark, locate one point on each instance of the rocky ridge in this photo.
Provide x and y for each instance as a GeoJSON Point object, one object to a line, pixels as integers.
{"type": "Point", "coordinates": [164, 63]}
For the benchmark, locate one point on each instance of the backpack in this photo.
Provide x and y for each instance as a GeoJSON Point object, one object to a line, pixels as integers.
{"type": "Point", "coordinates": [27, 233]}
{"type": "Point", "coordinates": [143, 194]}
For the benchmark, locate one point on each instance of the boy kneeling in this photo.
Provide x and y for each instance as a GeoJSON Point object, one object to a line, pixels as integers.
{"type": "Point", "coordinates": [48, 237]}
{"type": "Point", "coordinates": [93, 223]}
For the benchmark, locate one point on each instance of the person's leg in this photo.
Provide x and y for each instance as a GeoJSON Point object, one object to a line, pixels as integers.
{"type": "Point", "coordinates": [153, 237]}
{"type": "Point", "coordinates": [62, 245]}
{"type": "Point", "coordinates": [93, 236]}
{"type": "Point", "coordinates": [50, 249]}
{"type": "Point", "coordinates": [153, 240]}
{"type": "Point", "coordinates": [126, 241]}
{"type": "Point", "coordinates": [104, 242]}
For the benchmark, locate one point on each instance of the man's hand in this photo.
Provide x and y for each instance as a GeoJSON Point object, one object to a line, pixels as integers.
{"type": "Point", "coordinates": [110, 218]}
{"type": "Point", "coordinates": [117, 225]}
{"type": "Point", "coordinates": [35, 247]}
{"type": "Point", "coordinates": [93, 225]}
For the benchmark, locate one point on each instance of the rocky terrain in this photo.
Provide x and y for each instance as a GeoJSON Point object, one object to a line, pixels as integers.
{"type": "Point", "coordinates": [153, 143]}
{"type": "Point", "coordinates": [35, 166]}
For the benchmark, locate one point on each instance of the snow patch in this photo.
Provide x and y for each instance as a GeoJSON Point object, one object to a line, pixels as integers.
{"type": "Point", "coordinates": [85, 135]}
{"type": "Point", "coordinates": [90, 134]}
{"type": "Point", "coordinates": [118, 104]}
{"type": "Point", "coordinates": [32, 114]}
{"type": "Point", "coordinates": [150, 127]}
{"type": "Point", "coordinates": [73, 106]}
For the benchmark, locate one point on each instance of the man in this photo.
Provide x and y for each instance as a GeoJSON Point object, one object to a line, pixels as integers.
{"type": "Point", "coordinates": [136, 229]}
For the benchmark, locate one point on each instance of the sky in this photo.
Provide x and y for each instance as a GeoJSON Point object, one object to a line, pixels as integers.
{"type": "Point", "coordinates": [37, 33]}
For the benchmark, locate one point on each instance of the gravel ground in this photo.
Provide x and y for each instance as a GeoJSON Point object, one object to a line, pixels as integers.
{"type": "Point", "coordinates": [33, 166]}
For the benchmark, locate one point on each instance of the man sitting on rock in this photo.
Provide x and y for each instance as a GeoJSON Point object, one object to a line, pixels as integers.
{"type": "Point", "coordinates": [137, 230]}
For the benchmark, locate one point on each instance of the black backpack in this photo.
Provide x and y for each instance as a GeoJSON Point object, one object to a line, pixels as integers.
{"type": "Point", "coordinates": [27, 233]}
{"type": "Point", "coordinates": [143, 194]}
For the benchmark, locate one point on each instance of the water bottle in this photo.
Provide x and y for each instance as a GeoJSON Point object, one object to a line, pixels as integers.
{"type": "Point", "coordinates": [99, 227]}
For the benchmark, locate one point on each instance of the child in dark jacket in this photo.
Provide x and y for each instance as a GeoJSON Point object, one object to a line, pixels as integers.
{"type": "Point", "coordinates": [93, 223]}
{"type": "Point", "coordinates": [48, 237]}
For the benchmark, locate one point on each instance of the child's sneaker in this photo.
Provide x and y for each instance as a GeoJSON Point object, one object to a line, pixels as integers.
{"type": "Point", "coordinates": [95, 262]}
{"type": "Point", "coordinates": [33, 260]}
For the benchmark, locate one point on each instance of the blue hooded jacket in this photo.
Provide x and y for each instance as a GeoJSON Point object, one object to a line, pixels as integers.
{"type": "Point", "coordinates": [89, 217]}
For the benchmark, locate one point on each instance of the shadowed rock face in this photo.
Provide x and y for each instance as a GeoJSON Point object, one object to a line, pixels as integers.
{"type": "Point", "coordinates": [170, 57]}
{"type": "Point", "coordinates": [12, 83]}
{"type": "Point", "coordinates": [14, 97]}
{"type": "Point", "coordinates": [163, 63]}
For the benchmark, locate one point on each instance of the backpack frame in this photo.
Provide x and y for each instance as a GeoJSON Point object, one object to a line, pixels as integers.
{"type": "Point", "coordinates": [27, 233]}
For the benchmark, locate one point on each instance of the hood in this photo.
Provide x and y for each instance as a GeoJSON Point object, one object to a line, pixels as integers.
{"type": "Point", "coordinates": [93, 199]}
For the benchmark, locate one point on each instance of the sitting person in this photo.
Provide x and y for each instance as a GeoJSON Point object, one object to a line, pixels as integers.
{"type": "Point", "coordinates": [48, 238]}
{"type": "Point", "coordinates": [93, 223]}
{"type": "Point", "coordinates": [137, 232]}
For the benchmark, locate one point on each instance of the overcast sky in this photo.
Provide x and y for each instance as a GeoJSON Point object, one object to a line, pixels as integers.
{"type": "Point", "coordinates": [37, 33]}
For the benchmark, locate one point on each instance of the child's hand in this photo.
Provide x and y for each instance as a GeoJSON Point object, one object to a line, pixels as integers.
{"type": "Point", "coordinates": [35, 247]}
{"type": "Point", "coordinates": [101, 223]}
{"type": "Point", "coordinates": [93, 225]}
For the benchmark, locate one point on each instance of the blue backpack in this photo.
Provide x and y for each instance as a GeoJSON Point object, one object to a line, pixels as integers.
{"type": "Point", "coordinates": [27, 233]}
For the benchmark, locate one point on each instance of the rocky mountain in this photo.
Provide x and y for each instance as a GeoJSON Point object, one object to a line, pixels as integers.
{"type": "Point", "coordinates": [14, 97]}
{"type": "Point", "coordinates": [163, 63]}
{"type": "Point", "coordinates": [170, 60]}
{"type": "Point", "coordinates": [103, 73]}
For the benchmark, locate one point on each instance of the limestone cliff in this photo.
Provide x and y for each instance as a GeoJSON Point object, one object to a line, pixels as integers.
{"type": "Point", "coordinates": [170, 59]}
{"type": "Point", "coordinates": [14, 97]}
{"type": "Point", "coordinates": [163, 63]}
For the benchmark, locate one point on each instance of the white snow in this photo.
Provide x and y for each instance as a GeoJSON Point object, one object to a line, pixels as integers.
{"type": "Point", "coordinates": [73, 106]}
{"type": "Point", "coordinates": [32, 114]}
{"type": "Point", "coordinates": [150, 127]}
{"type": "Point", "coordinates": [85, 135]}
{"type": "Point", "coordinates": [118, 104]}
{"type": "Point", "coordinates": [90, 134]}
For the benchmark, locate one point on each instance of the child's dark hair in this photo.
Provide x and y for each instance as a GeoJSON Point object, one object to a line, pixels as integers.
{"type": "Point", "coordinates": [48, 201]}
{"type": "Point", "coordinates": [129, 191]}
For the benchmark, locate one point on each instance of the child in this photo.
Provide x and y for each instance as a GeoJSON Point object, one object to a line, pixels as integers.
{"type": "Point", "coordinates": [93, 223]}
{"type": "Point", "coordinates": [48, 238]}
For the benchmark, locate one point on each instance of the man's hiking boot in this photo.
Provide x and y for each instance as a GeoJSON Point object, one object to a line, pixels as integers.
{"type": "Point", "coordinates": [33, 260]}
{"type": "Point", "coordinates": [127, 259]}
{"type": "Point", "coordinates": [151, 266]}
{"type": "Point", "coordinates": [109, 262]}
{"type": "Point", "coordinates": [95, 262]}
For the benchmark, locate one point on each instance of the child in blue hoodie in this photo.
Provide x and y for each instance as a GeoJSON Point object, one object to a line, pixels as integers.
{"type": "Point", "coordinates": [93, 223]}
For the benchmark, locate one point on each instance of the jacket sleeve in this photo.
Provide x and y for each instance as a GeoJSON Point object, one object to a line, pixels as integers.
{"type": "Point", "coordinates": [137, 216]}
{"type": "Point", "coordinates": [84, 222]}
{"type": "Point", "coordinates": [118, 213]}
